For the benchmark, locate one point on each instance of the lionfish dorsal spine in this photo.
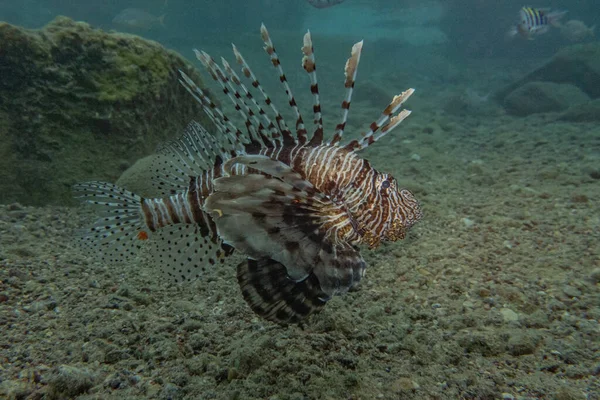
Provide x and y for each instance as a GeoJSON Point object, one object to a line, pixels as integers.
{"type": "Point", "coordinates": [247, 71]}
{"type": "Point", "coordinates": [270, 49]}
{"type": "Point", "coordinates": [310, 66]}
{"type": "Point", "coordinates": [272, 138]}
{"type": "Point", "coordinates": [265, 135]}
{"type": "Point", "coordinates": [223, 80]}
{"type": "Point", "coordinates": [350, 71]}
{"type": "Point", "coordinates": [214, 113]}
{"type": "Point", "coordinates": [387, 120]}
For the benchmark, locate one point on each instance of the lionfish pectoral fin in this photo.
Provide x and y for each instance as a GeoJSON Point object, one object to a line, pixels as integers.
{"type": "Point", "coordinates": [338, 268]}
{"type": "Point", "coordinates": [268, 218]}
{"type": "Point", "coordinates": [265, 217]}
{"type": "Point", "coordinates": [273, 295]}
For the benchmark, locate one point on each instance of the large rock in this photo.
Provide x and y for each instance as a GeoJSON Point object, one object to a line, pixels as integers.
{"type": "Point", "coordinates": [588, 112]}
{"type": "Point", "coordinates": [539, 97]}
{"type": "Point", "coordinates": [578, 65]}
{"type": "Point", "coordinates": [77, 103]}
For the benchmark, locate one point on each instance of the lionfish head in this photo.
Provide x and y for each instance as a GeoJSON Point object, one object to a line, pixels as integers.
{"type": "Point", "coordinates": [399, 206]}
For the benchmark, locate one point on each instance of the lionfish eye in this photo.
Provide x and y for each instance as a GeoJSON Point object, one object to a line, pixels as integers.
{"type": "Point", "coordinates": [385, 184]}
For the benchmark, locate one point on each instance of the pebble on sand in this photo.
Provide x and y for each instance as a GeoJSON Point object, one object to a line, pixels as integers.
{"type": "Point", "coordinates": [69, 381]}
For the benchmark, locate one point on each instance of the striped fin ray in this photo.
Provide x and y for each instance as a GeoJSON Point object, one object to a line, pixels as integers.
{"type": "Point", "coordinates": [215, 114]}
{"type": "Point", "coordinates": [350, 71]}
{"type": "Point", "coordinates": [386, 122]}
{"type": "Point", "coordinates": [256, 132]}
{"type": "Point", "coordinates": [191, 155]}
{"type": "Point", "coordinates": [273, 137]}
{"type": "Point", "coordinates": [310, 66]}
{"type": "Point", "coordinates": [119, 230]}
{"type": "Point", "coordinates": [283, 128]}
{"type": "Point", "coordinates": [270, 49]}
{"type": "Point", "coordinates": [269, 291]}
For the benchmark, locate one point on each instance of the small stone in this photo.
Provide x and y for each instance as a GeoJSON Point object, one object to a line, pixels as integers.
{"type": "Point", "coordinates": [69, 382]}
{"type": "Point", "coordinates": [579, 198]}
{"type": "Point", "coordinates": [404, 384]}
{"type": "Point", "coordinates": [595, 276]}
{"type": "Point", "coordinates": [566, 393]}
{"type": "Point", "coordinates": [468, 304]}
{"type": "Point", "coordinates": [520, 344]}
{"type": "Point", "coordinates": [571, 291]}
{"type": "Point", "coordinates": [509, 315]}
{"type": "Point", "coordinates": [14, 207]}
{"type": "Point", "coordinates": [415, 157]}
{"type": "Point", "coordinates": [468, 222]}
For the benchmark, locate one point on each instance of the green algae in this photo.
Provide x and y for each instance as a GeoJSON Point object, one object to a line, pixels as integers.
{"type": "Point", "coordinates": [79, 103]}
{"type": "Point", "coordinates": [120, 83]}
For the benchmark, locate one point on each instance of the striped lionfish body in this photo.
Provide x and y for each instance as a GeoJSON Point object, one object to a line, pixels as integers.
{"type": "Point", "coordinates": [297, 206]}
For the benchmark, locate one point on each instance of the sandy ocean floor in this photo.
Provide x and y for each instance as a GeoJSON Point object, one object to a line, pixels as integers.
{"type": "Point", "coordinates": [494, 295]}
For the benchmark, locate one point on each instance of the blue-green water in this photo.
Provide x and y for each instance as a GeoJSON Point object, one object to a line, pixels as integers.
{"type": "Point", "coordinates": [494, 294]}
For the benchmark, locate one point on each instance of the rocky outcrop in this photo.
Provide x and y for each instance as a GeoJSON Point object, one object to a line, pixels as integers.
{"type": "Point", "coordinates": [539, 97]}
{"type": "Point", "coordinates": [577, 65]}
{"type": "Point", "coordinates": [588, 112]}
{"type": "Point", "coordinates": [78, 103]}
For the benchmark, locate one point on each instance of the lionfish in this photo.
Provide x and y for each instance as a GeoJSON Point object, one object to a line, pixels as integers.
{"type": "Point", "coordinates": [296, 205]}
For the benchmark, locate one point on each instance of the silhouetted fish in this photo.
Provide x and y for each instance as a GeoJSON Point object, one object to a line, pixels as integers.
{"type": "Point", "coordinates": [324, 3]}
{"type": "Point", "coordinates": [134, 18]}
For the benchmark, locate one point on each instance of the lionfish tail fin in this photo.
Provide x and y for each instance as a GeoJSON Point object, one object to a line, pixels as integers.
{"type": "Point", "coordinates": [272, 294]}
{"type": "Point", "coordinates": [119, 229]}
{"type": "Point", "coordinates": [387, 121]}
{"type": "Point", "coordinates": [181, 248]}
{"type": "Point", "coordinates": [350, 73]}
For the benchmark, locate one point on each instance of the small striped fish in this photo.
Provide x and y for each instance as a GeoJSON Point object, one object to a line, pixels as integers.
{"type": "Point", "coordinates": [297, 206]}
{"type": "Point", "coordinates": [324, 3]}
{"type": "Point", "coordinates": [535, 21]}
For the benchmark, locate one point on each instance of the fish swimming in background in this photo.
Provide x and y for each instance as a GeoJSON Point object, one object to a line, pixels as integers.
{"type": "Point", "coordinates": [324, 3]}
{"type": "Point", "coordinates": [535, 21]}
{"type": "Point", "coordinates": [297, 205]}
{"type": "Point", "coordinates": [136, 19]}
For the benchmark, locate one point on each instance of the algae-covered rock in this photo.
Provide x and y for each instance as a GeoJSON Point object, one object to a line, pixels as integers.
{"type": "Point", "coordinates": [78, 103]}
{"type": "Point", "coordinates": [588, 112]}
{"type": "Point", "coordinates": [538, 97]}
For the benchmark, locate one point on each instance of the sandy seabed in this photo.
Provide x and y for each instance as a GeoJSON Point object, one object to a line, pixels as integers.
{"type": "Point", "coordinates": [494, 294]}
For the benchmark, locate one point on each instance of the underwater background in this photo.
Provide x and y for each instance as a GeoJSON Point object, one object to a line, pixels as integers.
{"type": "Point", "coordinates": [493, 295]}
